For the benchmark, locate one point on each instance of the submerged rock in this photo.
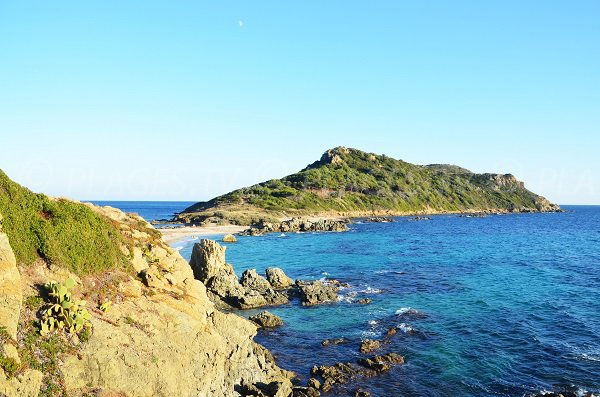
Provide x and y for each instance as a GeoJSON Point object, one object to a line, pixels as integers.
{"type": "Point", "coordinates": [266, 319]}
{"type": "Point", "coordinates": [368, 345]}
{"type": "Point", "coordinates": [335, 341]}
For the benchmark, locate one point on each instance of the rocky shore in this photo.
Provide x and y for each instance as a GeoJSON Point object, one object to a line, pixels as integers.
{"type": "Point", "coordinates": [252, 290]}
{"type": "Point", "coordinates": [295, 225]}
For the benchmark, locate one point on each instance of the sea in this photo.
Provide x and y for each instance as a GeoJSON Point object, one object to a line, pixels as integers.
{"type": "Point", "coordinates": [504, 305]}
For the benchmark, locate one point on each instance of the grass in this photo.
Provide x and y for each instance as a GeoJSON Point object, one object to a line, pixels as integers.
{"type": "Point", "coordinates": [59, 231]}
{"type": "Point", "coordinates": [351, 181]}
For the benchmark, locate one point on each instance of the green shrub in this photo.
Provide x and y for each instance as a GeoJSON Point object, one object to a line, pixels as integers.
{"type": "Point", "coordinates": [60, 231]}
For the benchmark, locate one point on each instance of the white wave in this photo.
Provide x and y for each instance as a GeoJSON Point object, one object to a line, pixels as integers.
{"type": "Point", "coordinates": [373, 322]}
{"type": "Point", "coordinates": [405, 328]}
{"type": "Point", "coordinates": [370, 290]}
{"type": "Point", "coordinates": [179, 248]}
{"type": "Point", "coordinates": [282, 235]}
{"type": "Point", "coordinates": [406, 310]}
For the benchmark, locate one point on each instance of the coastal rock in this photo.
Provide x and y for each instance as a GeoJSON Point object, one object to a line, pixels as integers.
{"type": "Point", "coordinates": [11, 294]}
{"type": "Point", "coordinates": [342, 373]}
{"type": "Point", "coordinates": [253, 291]}
{"type": "Point", "coordinates": [334, 341]}
{"type": "Point", "coordinates": [229, 238]}
{"type": "Point", "coordinates": [316, 292]}
{"type": "Point", "coordinates": [266, 319]}
{"type": "Point", "coordinates": [369, 345]}
{"type": "Point", "coordinates": [300, 391]}
{"type": "Point", "coordinates": [252, 280]}
{"type": "Point", "coordinates": [364, 301]}
{"type": "Point", "coordinates": [380, 219]}
{"type": "Point", "coordinates": [277, 278]}
{"type": "Point", "coordinates": [297, 225]}
{"type": "Point", "coordinates": [382, 363]}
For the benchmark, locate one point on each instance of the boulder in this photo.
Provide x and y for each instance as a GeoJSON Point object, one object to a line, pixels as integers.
{"type": "Point", "coordinates": [369, 345]}
{"type": "Point", "coordinates": [229, 238]}
{"type": "Point", "coordinates": [266, 319]}
{"type": "Point", "coordinates": [252, 280]}
{"type": "Point", "coordinates": [382, 363]}
{"type": "Point", "coordinates": [316, 292]}
{"type": "Point", "coordinates": [277, 278]}
{"type": "Point", "coordinates": [335, 341]}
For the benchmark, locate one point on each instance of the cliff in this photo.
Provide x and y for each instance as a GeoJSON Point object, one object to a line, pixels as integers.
{"type": "Point", "coordinates": [349, 182]}
{"type": "Point", "coordinates": [152, 329]}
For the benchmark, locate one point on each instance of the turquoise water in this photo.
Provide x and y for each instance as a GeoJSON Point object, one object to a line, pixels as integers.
{"type": "Point", "coordinates": [503, 305]}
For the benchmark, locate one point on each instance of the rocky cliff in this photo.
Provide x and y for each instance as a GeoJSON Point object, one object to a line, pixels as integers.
{"type": "Point", "coordinates": [154, 332]}
{"type": "Point", "coordinates": [351, 183]}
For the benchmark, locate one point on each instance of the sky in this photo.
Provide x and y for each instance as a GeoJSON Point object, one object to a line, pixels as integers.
{"type": "Point", "coordinates": [186, 100]}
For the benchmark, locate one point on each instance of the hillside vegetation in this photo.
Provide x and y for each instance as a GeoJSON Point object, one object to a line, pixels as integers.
{"type": "Point", "coordinates": [58, 231]}
{"type": "Point", "coordinates": [351, 182]}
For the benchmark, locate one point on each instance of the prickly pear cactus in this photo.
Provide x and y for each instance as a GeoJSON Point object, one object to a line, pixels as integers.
{"type": "Point", "coordinates": [62, 312]}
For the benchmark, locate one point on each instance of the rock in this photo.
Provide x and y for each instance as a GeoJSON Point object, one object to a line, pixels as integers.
{"type": "Point", "coordinates": [391, 332]}
{"type": "Point", "coordinates": [368, 345]}
{"type": "Point", "coordinates": [336, 341]}
{"type": "Point", "coordinates": [316, 292]}
{"type": "Point", "coordinates": [297, 225]}
{"type": "Point", "coordinates": [11, 295]}
{"type": "Point", "coordinates": [252, 280]}
{"type": "Point", "coordinates": [300, 391]}
{"type": "Point", "coordinates": [380, 219]}
{"type": "Point", "coordinates": [266, 319]}
{"type": "Point", "coordinates": [364, 301]}
{"type": "Point", "coordinates": [27, 384]}
{"type": "Point", "coordinates": [152, 277]}
{"type": "Point", "coordinates": [209, 266]}
{"type": "Point", "coordinates": [339, 373]}
{"type": "Point", "coordinates": [361, 393]}
{"type": "Point", "coordinates": [314, 383]}
{"type": "Point", "coordinates": [277, 278]}
{"type": "Point", "coordinates": [229, 238]}
{"type": "Point", "coordinates": [208, 259]}
{"type": "Point", "coordinates": [381, 363]}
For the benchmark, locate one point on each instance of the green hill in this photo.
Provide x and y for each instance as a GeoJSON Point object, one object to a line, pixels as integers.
{"type": "Point", "coordinates": [350, 182]}
{"type": "Point", "coordinates": [58, 231]}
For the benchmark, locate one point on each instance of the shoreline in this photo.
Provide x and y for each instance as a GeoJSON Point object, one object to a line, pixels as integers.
{"type": "Point", "coordinates": [176, 234]}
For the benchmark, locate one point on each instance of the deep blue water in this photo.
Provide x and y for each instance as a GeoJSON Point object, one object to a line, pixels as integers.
{"type": "Point", "coordinates": [505, 305]}
{"type": "Point", "coordinates": [149, 210]}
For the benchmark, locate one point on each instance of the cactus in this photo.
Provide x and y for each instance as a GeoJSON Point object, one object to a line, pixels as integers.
{"type": "Point", "coordinates": [62, 312]}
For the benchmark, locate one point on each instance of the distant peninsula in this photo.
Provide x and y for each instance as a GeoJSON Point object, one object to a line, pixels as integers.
{"type": "Point", "coordinates": [349, 182]}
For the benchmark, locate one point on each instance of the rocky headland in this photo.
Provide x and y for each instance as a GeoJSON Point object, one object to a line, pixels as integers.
{"type": "Point", "coordinates": [350, 183]}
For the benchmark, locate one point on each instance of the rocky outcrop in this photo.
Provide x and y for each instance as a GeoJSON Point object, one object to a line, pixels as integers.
{"type": "Point", "coordinates": [316, 292]}
{"type": "Point", "coordinates": [369, 345]}
{"type": "Point", "coordinates": [229, 238]}
{"type": "Point", "coordinates": [252, 291]}
{"type": "Point", "coordinates": [277, 278]}
{"type": "Point", "coordinates": [342, 373]}
{"type": "Point", "coordinates": [266, 319]}
{"type": "Point", "coordinates": [161, 337]}
{"type": "Point", "coordinates": [297, 225]}
{"type": "Point", "coordinates": [10, 286]}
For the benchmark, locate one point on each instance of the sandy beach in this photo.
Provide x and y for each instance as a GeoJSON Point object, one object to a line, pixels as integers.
{"type": "Point", "coordinates": [172, 235]}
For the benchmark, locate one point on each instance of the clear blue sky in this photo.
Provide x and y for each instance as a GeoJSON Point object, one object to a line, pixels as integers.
{"type": "Point", "coordinates": [184, 100]}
